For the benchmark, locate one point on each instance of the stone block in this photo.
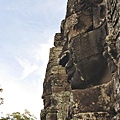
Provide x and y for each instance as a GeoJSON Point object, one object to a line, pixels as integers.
{"type": "Point", "coordinates": [58, 89]}
{"type": "Point", "coordinates": [51, 115]}
{"type": "Point", "coordinates": [43, 114]}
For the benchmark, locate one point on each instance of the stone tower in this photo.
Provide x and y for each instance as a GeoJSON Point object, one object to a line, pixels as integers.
{"type": "Point", "coordinates": [82, 80]}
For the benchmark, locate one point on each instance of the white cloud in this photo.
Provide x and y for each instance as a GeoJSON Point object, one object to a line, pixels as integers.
{"type": "Point", "coordinates": [28, 67]}
{"type": "Point", "coordinates": [42, 51]}
{"type": "Point", "coordinates": [26, 96]}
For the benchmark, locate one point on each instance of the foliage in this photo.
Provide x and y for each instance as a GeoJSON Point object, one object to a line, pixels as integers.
{"type": "Point", "coordinates": [1, 99]}
{"type": "Point", "coordinates": [18, 116]}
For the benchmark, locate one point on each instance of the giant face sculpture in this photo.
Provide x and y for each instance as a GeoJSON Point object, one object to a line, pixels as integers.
{"type": "Point", "coordinates": [84, 33]}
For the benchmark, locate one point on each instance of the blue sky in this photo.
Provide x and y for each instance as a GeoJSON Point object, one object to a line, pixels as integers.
{"type": "Point", "coordinates": [27, 29]}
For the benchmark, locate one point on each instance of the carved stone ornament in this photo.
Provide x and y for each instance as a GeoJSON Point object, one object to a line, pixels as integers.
{"type": "Point", "coordinates": [82, 54]}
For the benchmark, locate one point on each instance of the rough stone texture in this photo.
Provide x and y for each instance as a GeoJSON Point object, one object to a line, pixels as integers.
{"type": "Point", "coordinates": [85, 29]}
{"type": "Point", "coordinates": [113, 45]}
{"type": "Point", "coordinates": [92, 116]}
{"type": "Point", "coordinates": [97, 99]}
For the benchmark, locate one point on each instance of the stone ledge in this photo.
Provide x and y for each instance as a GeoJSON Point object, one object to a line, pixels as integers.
{"type": "Point", "coordinates": [97, 99]}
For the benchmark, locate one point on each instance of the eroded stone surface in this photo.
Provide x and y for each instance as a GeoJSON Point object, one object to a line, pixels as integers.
{"type": "Point", "coordinates": [85, 30]}
{"type": "Point", "coordinates": [100, 98]}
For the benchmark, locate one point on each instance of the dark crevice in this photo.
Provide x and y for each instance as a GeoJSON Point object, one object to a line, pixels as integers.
{"type": "Point", "coordinates": [92, 18]}
{"type": "Point", "coordinates": [116, 22]}
{"type": "Point", "coordinates": [113, 11]}
{"type": "Point", "coordinates": [117, 36]}
{"type": "Point", "coordinates": [91, 28]}
{"type": "Point", "coordinates": [64, 60]}
{"type": "Point", "coordinates": [102, 11]}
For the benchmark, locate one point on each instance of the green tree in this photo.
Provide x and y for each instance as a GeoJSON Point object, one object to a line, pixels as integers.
{"type": "Point", "coordinates": [18, 116]}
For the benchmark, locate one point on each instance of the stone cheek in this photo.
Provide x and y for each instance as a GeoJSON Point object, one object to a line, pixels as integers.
{"type": "Point", "coordinates": [86, 63]}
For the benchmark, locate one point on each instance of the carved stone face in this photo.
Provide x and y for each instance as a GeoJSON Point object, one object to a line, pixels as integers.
{"type": "Point", "coordinates": [85, 32]}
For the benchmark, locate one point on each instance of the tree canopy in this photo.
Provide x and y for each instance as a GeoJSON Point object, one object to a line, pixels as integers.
{"type": "Point", "coordinates": [1, 99]}
{"type": "Point", "coordinates": [18, 116]}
